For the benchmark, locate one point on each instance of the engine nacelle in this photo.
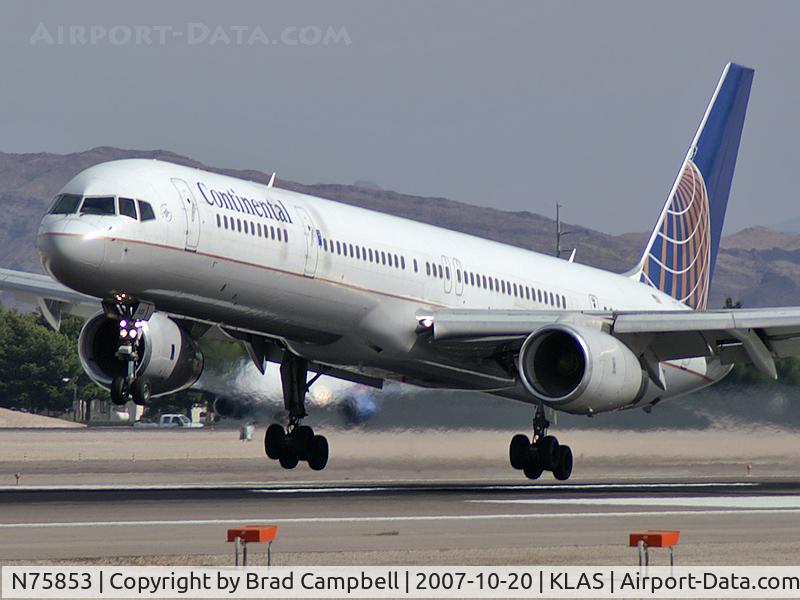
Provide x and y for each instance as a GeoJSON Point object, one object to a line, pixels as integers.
{"type": "Point", "coordinates": [580, 370]}
{"type": "Point", "coordinates": [170, 358]}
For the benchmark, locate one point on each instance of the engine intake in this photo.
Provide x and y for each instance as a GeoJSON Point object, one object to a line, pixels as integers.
{"type": "Point", "coordinates": [170, 358]}
{"type": "Point", "coordinates": [580, 370]}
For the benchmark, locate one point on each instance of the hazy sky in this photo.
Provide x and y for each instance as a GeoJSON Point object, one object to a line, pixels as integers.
{"type": "Point", "coordinates": [515, 105]}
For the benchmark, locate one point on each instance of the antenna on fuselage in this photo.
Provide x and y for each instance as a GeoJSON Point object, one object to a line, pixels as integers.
{"type": "Point", "coordinates": [271, 180]}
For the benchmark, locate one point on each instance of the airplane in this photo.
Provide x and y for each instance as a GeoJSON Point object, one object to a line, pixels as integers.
{"type": "Point", "coordinates": [157, 255]}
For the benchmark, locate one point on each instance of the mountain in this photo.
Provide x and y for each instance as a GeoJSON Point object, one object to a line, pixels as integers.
{"type": "Point", "coordinates": [758, 265]}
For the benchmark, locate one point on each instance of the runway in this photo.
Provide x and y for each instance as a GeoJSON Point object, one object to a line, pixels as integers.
{"type": "Point", "coordinates": [408, 521]}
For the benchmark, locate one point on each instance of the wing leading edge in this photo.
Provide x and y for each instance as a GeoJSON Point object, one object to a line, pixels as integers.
{"type": "Point", "coordinates": [757, 336]}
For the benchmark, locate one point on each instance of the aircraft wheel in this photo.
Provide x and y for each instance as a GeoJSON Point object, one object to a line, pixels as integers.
{"type": "Point", "coordinates": [563, 467]}
{"type": "Point", "coordinates": [318, 453]}
{"type": "Point", "coordinates": [533, 469]}
{"type": "Point", "coordinates": [274, 441]}
{"type": "Point", "coordinates": [288, 457]}
{"type": "Point", "coordinates": [302, 437]}
{"type": "Point", "coordinates": [141, 391]}
{"type": "Point", "coordinates": [518, 451]}
{"type": "Point", "coordinates": [119, 391]}
{"type": "Point", "coordinates": [548, 451]}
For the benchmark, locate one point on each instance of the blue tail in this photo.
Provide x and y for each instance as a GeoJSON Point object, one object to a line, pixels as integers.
{"type": "Point", "coordinates": [680, 255]}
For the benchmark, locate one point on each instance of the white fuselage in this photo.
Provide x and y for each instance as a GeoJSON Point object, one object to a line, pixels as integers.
{"type": "Point", "coordinates": [339, 284]}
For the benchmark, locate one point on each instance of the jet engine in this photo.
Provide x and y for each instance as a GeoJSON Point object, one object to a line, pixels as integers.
{"type": "Point", "coordinates": [170, 358]}
{"type": "Point", "coordinates": [580, 370]}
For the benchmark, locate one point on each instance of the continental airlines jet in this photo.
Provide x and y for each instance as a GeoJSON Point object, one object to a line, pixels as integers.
{"type": "Point", "coordinates": [162, 254]}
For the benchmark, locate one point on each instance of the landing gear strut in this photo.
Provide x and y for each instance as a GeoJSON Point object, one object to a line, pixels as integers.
{"type": "Point", "coordinates": [131, 316]}
{"type": "Point", "coordinates": [543, 453]}
{"type": "Point", "coordinates": [296, 442]}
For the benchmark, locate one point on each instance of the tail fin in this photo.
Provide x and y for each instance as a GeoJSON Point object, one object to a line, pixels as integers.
{"type": "Point", "coordinates": [680, 255]}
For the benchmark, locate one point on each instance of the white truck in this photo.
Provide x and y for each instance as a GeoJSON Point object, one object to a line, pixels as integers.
{"type": "Point", "coordinates": [170, 420]}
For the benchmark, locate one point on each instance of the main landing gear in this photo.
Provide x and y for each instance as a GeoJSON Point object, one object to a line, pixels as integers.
{"type": "Point", "coordinates": [544, 453]}
{"type": "Point", "coordinates": [296, 442]}
{"type": "Point", "coordinates": [131, 317]}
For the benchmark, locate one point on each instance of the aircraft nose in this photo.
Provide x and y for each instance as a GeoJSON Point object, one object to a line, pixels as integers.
{"type": "Point", "coordinates": [67, 246]}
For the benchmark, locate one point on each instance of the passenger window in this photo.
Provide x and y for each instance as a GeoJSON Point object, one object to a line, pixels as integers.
{"type": "Point", "coordinates": [383, 257]}
{"type": "Point", "coordinates": [427, 268]}
{"type": "Point", "coordinates": [65, 204]}
{"type": "Point", "coordinates": [370, 255]}
{"type": "Point", "coordinates": [127, 208]}
{"type": "Point", "coordinates": [358, 253]}
{"type": "Point", "coordinates": [351, 251]}
{"type": "Point", "coordinates": [146, 212]}
{"type": "Point", "coordinates": [491, 286]}
{"type": "Point", "coordinates": [286, 235]}
{"type": "Point", "coordinates": [272, 232]}
{"type": "Point", "coordinates": [415, 266]}
{"type": "Point", "coordinates": [551, 299]}
{"type": "Point", "coordinates": [447, 273]}
{"type": "Point", "coordinates": [219, 222]}
{"type": "Point", "coordinates": [563, 301]}
{"type": "Point", "coordinates": [403, 263]}
{"type": "Point", "coordinates": [99, 206]}
{"type": "Point", "coordinates": [279, 235]}
{"type": "Point", "coordinates": [527, 293]}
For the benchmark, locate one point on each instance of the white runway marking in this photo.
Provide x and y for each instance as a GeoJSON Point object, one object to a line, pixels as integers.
{"type": "Point", "coordinates": [362, 486]}
{"type": "Point", "coordinates": [404, 518]}
{"type": "Point", "coordinates": [491, 488]}
{"type": "Point", "coordinates": [740, 502]}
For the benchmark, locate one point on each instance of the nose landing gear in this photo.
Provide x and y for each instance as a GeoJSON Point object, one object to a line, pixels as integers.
{"type": "Point", "coordinates": [296, 442]}
{"type": "Point", "coordinates": [543, 453]}
{"type": "Point", "coordinates": [131, 316]}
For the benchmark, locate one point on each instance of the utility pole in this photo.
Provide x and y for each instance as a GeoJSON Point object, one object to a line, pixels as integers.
{"type": "Point", "coordinates": [559, 232]}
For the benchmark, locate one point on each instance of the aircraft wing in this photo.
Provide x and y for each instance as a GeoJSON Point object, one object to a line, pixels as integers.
{"type": "Point", "coordinates": [51, 297]}
{"type": "Point", "coordinates": [756, 336]}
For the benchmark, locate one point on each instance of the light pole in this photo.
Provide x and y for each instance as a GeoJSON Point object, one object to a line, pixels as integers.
{"type": "Point", "coordinates": [79, 414]}
{"type": "Point", "coordinates": [559, 232]}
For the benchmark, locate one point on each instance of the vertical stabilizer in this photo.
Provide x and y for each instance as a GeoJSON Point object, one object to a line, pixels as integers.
{"type": "Point", "coordinates": [682, 250]}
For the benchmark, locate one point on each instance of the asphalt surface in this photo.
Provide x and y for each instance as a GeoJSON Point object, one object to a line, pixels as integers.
{"type": "Point", "coordinates": [477, 519]}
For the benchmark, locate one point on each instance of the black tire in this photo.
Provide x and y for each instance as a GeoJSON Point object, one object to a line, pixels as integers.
{"type": "Point", "coordinates": [288, 457]}
{"type": "Point", "coordinates": [533, 469]}
{"type": "Point", "coordinates": [119, 391]}
{"type": "Point", "coordinates": [318, 453]}
{"type": "Point", "coordinates": [274, 441]}
{"type": "Point", "coordinates": [302, 437]}
{"type": "Point", "coordinates": [548, 451]}
{"type": "Point", "coordinates": [563, 467]}
{"type": "Point", "coordinates": [141, 390]}
{"type": "Point", "coordinates": [518, 451]}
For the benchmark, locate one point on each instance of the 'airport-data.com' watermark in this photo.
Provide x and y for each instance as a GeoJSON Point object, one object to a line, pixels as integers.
{"type": "Point", "coordinates": [190, 34]}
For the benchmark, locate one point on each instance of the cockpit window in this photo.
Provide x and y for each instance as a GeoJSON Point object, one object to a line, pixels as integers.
{"type": "Point", "coordinates": [146, 211]}
{"type": "Point", "coordinates": [65, 204]}
{"type": "Point", "coordinates": [103, 205]}
{"type": "Point", "coordinates": [127, 207]}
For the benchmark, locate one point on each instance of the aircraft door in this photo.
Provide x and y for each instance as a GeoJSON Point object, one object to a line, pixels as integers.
{"type": "Point", "coordinates": [448, 275]}
{"type": "Point", "coordinates": [192, 213]}
{"type": "Point", "coordinates": [312, 247]}
{"type": "Point", "coordinates": [459, 275]}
